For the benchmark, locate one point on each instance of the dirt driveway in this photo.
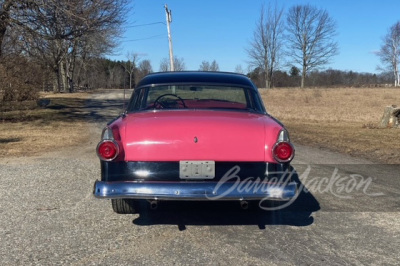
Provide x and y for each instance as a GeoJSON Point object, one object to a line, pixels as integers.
{"type": "Point", "coordinates": [49, 216]}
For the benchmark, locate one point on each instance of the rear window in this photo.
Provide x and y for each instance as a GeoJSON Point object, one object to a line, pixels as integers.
{"type": "Point", "coordinates": [195, 97]}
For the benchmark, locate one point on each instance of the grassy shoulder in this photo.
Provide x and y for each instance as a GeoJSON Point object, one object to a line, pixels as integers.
{"type": "Point", "coordinates": [344, 119]}
{"type": "Point", "coordinates": [380, 145]}
{"type": "Point", "coordinates": [28, 132]}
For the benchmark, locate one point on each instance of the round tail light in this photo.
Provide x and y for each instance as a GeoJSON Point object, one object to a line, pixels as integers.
{"type": "Point", "coordinates": [283, 152]}
{"type": "Point", "coordinates": [107, 150]}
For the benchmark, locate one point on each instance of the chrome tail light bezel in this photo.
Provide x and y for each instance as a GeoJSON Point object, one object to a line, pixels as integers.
{"type": "Point", "coordinates": [117, 150]}
{"type": "Point", "coordinates": [283, 137]}
{"type": "Point", "coordinates": [108, 137]}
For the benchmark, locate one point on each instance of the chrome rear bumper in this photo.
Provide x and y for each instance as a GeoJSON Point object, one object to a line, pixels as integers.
{"type": "Point", "coordinates": [194, 191]}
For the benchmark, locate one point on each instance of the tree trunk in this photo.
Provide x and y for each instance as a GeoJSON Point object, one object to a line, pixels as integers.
{"type": "Point", "coordinates": [3, 29]}
{"type": "Point", "coordinates": [303, 77]}
{"type": "Point", "coordinates": [78, 76]}
{"type": "Point", "coordinates": [71, 64]}
{"type": "Point", "coordinates": [70, 67]}
{"type": "Point", "coordinates": [304, 72]}
{"type": "Point", "coordinates": [63, 78]}
{"type": "Point", "coordinates": [4, 21]}
{"type": "Point", "coordinates": [57, 81]}
{"type": "Point", "coordinates": [266, 80]}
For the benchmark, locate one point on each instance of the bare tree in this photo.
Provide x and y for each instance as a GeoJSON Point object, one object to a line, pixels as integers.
{"type": "Point", "coordinates": [265, 48]}
{"type": "Point", "coordinates": [179, 64]}
{"type": "Point", "coordinates": [310, 38]}
{"type": "Point", "coordinates": [214, 66]}
{"type": "Point", "coordinates": [206, 66]}
{"type": "Point", "coordinates": [71, 18]}
{"type": "Point", "coordinates": [164, 65]}
{"type": "Point", "coordinates": [9, 15]}
{"type": "Point", "coordinates": [5, 20]}
{"type": "Point", "coordinates": [130, 66]}
{"type": "Point", "coordinates": [390, 52]}
{"type": "Point", "coordinates": [239, 69]}
{"type": "Point", "coordinates": [144, 69]}
{"type": "Point", "coordinates": [58, 32]}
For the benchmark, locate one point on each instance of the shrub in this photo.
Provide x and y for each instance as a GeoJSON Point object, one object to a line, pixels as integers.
{"type": "Point", "coordinates": [19, 80]}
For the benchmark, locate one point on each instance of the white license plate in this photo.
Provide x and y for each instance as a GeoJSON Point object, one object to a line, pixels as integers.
{"type": "Point", "coordinates": [196, 169]}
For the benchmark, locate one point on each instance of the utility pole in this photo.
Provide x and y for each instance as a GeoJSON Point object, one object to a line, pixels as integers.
{"type": "Point", "coordinates": [169, 20]}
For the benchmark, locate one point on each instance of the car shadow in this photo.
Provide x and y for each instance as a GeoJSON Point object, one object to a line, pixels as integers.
{"type": "Point", "coordinates": [219, 213]}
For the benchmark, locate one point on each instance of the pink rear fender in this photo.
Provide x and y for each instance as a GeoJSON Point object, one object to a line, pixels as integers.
{"type": "Point", "coordinates": [198, 135]}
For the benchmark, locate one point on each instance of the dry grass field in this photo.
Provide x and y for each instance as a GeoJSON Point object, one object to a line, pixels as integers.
{"type": "Point", "coordinates": [340, 119]}
{"type": "Point", "coordinates": [33, 132]}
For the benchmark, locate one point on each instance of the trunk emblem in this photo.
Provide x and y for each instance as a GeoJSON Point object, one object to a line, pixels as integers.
{"type": "Point", "coordinates": [196, 140]}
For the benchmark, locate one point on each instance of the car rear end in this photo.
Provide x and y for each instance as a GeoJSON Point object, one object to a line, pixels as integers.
{"type": "Point", "coordinates": [194, 154]}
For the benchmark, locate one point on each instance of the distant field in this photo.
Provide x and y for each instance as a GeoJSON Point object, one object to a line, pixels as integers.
{"type": "Point", "coordinates": [341, 119]}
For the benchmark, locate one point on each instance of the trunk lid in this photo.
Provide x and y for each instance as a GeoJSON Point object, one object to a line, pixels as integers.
{"type": "Point", "coordinates": [199, 135]}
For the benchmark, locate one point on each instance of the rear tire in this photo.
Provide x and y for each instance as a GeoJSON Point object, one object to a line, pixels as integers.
{"type": "Point", "coordinates": [124, 206]}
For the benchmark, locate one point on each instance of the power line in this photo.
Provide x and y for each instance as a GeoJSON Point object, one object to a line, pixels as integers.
{"type": "Point", "coordinates": [147, 38]}
{"type": "Point", "coordinates": [147, 24]}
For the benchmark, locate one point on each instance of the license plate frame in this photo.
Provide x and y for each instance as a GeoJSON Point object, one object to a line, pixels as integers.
{"type": "Point", "coordinates": [195, 170]}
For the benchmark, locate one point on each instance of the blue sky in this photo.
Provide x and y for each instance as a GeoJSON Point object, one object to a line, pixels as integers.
{"type": "Point", "coordinates": [222, 30]}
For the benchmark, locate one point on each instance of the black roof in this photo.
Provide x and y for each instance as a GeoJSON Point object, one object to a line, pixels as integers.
{"type": "Point", "coordinates": [194, 77]}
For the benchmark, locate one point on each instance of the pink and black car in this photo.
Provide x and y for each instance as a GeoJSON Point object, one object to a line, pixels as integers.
{"type": "Point", "coordinates": [194, 136]}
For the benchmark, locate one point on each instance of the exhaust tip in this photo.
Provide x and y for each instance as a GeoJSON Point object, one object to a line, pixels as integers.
{"type": "Point", "coordinates": [244, 205]}
{"type": "Point", "coordinates": [153, 205]}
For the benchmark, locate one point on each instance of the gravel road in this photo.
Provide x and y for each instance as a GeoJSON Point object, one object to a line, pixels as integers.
{"type": "Point", "coordinates": [49, 216]}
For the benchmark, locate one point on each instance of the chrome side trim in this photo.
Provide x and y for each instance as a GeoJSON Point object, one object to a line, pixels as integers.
{"type": "Point", "coordinates": [193, 191]}
{"type": "Point", "coordinates": [283, 136]}
{"type": "Point", "coordinates": [107, 134]}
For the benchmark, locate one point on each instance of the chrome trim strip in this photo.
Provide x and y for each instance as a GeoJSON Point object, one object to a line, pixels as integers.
{"type": "Point", "coordinates": [107, 134]}
{"type": "Point", "coordinates": [192, 191]}
{"type": "Point", "coordinates": [283, 136]}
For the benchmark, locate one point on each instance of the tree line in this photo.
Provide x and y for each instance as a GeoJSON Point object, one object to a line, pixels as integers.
{"type": "Point", "coordinates": [60, 45]}
{"type": "Point", "coordinates": [126, 74]}
{"type": "Point", "coordinates": [327, 78]}
{"type": "Point", "coordinates": [304, 38]}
